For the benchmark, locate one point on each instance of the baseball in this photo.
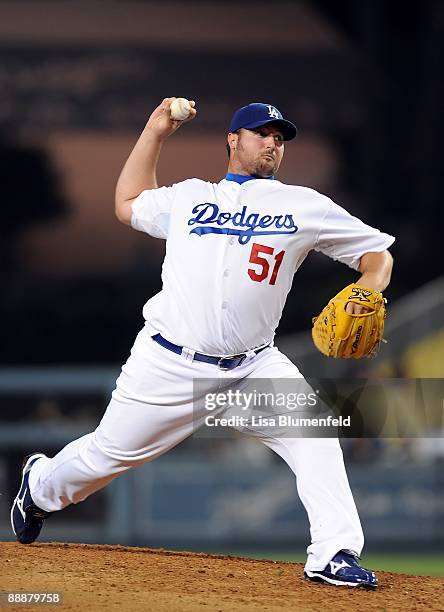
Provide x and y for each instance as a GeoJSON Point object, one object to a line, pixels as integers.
{"type": "Point", "coordinates": [180, 109]}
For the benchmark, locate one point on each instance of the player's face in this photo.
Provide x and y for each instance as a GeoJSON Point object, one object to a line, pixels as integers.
{"type": "Point", "coordinates": [258, 152]}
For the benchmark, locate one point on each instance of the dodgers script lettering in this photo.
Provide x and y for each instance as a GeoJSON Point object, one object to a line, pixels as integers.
{"type": "Point", "coordinates": [246, 224]}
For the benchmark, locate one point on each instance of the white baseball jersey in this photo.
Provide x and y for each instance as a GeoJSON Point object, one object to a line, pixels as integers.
{"type": "Point", "coordinates": [232, 249]}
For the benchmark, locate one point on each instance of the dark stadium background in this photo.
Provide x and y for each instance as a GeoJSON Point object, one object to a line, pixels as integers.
{"type": "Point", "coordinates": [364, 88]}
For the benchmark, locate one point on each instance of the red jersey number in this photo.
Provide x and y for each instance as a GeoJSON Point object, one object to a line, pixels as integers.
{"type": "Point", "coordinates": [264, 264]}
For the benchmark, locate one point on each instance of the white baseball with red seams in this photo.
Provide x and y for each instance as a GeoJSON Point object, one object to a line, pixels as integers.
{"type": "Point", "coordinates": [180, 109]}
{"type": "Point", "coordinates": [232, 250]}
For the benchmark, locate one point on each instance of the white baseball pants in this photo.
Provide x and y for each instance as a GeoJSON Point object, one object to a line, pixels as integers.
{"type": "Point", "coordinates": [151, 411]}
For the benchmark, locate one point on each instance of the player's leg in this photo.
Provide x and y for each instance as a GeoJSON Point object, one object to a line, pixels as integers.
{"type": "Point", "coordinates": [321, 478]}
{"type": "Point", "coordinates": [150, 412]}
{"type": "Point", "coordinates": [324, 490]}
{"type": "Point", "coordinates": [128, 435]}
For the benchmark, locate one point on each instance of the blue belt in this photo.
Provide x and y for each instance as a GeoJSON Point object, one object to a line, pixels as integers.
{"type": "Point", "coordinates": [224, 363]}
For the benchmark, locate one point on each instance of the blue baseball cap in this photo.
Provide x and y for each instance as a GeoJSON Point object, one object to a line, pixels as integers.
{"type": "Point", "coordinates": [256, 114]}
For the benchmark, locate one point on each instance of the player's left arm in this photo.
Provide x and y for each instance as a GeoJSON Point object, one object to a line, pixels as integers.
{"type": "Point", "coordinates": [376, 270]}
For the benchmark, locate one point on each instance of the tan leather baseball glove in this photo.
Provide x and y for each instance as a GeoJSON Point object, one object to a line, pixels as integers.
{"type": "Point", "coordinates": [351, 336]}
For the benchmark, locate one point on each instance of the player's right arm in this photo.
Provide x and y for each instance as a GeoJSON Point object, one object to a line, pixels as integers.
{"type": "Point", "coordinates": [139, 171]}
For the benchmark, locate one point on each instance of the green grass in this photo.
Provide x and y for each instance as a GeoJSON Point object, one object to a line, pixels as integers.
{"type": "Point", "coordinates": [419, 564]}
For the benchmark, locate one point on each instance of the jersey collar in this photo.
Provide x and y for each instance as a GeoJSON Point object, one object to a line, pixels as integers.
{"type": "Point", "coordinates": [240, 178]}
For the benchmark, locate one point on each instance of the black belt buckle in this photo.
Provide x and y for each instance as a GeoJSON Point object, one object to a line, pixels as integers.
{"type": "Point", "coordinates": [228, 363]}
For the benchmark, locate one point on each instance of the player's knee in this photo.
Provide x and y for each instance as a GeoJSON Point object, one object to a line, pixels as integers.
{"type": "Point", "coordinates": [104, 461]}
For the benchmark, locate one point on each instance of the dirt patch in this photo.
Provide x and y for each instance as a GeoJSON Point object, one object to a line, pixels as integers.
{"type": "Point", "coordinates": [122, 578]}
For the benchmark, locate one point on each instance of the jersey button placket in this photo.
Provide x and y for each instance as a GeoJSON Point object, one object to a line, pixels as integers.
{"type": "Point", "coordinates": [224, 308]}
{"type": "Point", "coordinates": [225, 304]}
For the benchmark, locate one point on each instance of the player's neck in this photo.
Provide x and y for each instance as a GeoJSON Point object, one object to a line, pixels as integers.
{"type": "Point", "coordinates": [235, 167]}
{"type": "Point", "coordinates": [235, 172]}
{"type": "Point", "coordinates": [242, 178]}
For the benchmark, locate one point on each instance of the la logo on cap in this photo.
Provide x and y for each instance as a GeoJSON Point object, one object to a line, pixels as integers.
{"type": "Point", "coordinates": [273, 112]}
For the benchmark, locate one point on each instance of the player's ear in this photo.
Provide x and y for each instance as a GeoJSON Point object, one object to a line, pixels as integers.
{"type": "Point", "coordinates": [232, 140]}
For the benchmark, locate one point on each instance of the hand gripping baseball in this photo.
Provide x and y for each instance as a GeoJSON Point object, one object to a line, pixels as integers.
{"type": "Point", "coordinates": [161, 121]}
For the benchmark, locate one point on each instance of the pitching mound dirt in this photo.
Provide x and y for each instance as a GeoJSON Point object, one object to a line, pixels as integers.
{"type": "Point", "coordinates": [125, 579]}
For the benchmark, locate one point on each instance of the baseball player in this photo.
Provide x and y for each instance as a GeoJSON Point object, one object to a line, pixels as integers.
{"type": "Point", "coordinates": [232, 249]}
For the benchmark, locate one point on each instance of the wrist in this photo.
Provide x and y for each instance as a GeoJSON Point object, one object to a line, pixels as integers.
{"type": "Point", "coordinates": [151, 136]}
{"type": "Point", "coordinates": [372, 281]}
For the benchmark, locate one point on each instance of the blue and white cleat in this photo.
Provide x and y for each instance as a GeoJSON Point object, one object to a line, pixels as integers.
{"type": "Point", "coordinates": [26, 518]}
{"type": "Point", "coordinates": [344, 570]}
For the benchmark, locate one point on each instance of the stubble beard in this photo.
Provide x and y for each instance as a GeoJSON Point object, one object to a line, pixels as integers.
{"type": "Point", "coordinates": [259, 167]}
{"type": "Point", "coordinates": [264, 169]}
